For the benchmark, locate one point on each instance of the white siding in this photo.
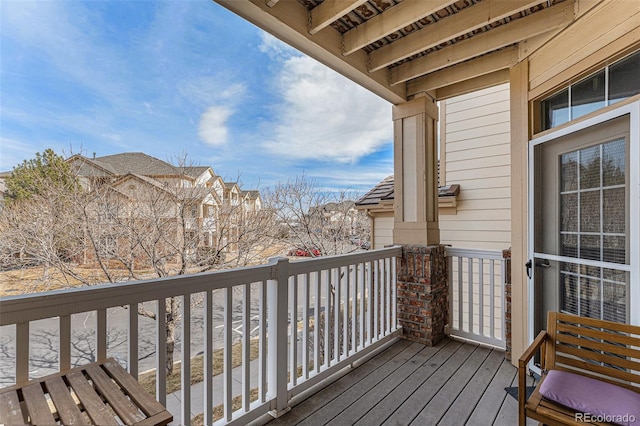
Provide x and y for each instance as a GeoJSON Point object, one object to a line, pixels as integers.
{"type": "Point", "coordinates": [382, 230]}
{"type": "Point", "coordinates": [477, 156]}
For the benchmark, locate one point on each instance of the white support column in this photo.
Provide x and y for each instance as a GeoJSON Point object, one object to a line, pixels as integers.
{"type": "Point", "coordinates": [416, 172]}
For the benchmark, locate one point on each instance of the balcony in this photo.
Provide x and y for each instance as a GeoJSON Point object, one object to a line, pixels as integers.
{"type": "Point", "coordinates": [328, 315]}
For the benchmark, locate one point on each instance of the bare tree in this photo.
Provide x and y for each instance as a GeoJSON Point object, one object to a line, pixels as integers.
{"type": "Point", "coordinates": [316, 221]}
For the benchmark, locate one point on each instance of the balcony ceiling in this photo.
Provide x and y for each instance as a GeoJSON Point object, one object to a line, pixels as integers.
{"type": "Point", "coordinates": [399, 48]}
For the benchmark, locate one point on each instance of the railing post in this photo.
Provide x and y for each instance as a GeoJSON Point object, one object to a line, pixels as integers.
{"type": "Point", "coordinates": [277, 326]}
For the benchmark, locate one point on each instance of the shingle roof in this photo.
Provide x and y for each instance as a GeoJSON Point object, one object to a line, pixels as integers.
{"type": "Point", "coordinates": [138, 163]}
{"type": "Point", "coordinates": [381, 192]}
{"type": "Point", "coordinates": [194, 171]}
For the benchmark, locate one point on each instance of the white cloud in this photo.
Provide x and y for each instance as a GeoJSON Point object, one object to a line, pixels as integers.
{"type": "Point", "coordinates": [204, 91]}
{"type": "Point", "coordinates": [326, 117]}
{"type": "Point", "coordinates": [213, 125]}
{"type": "Point", "coordinates": [274, 47]}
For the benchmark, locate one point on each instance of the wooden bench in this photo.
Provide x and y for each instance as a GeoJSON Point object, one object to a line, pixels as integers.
{"type": "Point", "coordinates": [602, 350]}
{"type": "Point", "coordinates": [100, 393]}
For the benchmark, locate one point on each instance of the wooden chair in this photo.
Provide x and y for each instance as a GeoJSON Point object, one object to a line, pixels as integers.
{"type": "Point", "coordinates": [100, 393]}
{"type": "Point", "coordinates": [602, 350]}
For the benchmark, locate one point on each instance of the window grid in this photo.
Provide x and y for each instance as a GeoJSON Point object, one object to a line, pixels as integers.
{"type": "Point", "coordinates": [581, 276]}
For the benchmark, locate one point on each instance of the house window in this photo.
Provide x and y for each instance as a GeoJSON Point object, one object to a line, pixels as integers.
{"type": "Point", "coordinates": [612, 84]}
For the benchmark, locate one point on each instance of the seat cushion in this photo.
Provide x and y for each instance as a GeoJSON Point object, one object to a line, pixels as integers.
{"type": "Point", "coordinates": [592, 398]}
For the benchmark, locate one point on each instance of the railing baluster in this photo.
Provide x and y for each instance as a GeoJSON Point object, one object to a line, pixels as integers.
{"type": "Point", "coordinates": [65, 342]}
{"type": "Point", "coordinates": [336, 314]}
{"type": "Point", "coordinates": [186, 359]}
{"type": "Point", "coordinates": [460, 296]}
{"type": "Point", "coordinates": [481, 296]}
{"type": "Point", "coordinates": [293, 342]}
{"type": "Point", "coordinates": [246, 348]}
{"type": "Point", "coordinates": [492, 304]}
{"type": "Point", "coordinates": [370, 308]}
{"type": "Point", "coordinates": [208, 357]}
{"type": "Point", "coordinates": [387, 285]}
{"type": "Point", "coordinates": [381, 306]}
{"type": "Point", "coordinates": [262, 350]}
{"type": "Point", "coordinates": [227, 354]}
{"type": "Point", "coordinates": [394, 289]}
{"type": "Point", "coordinates": [470, 284]}
{"type": "Point", "coordinates": [316, 325]}
{"type": "Point", "coordinates": [354, 308]}
{"type": "Point", "coordinates": [101, 334]}
{"type": "Point", "coordinates": [326, 274]}
{"type": "Point", "coordinates": [22, 352]}
{"type": "Point", "coordinates": [344, 282]}
{"type": "Point", "coordinates": [161, 351]}
{"type": "Point", "coordinates": [133, 356]}
{"type": "Point", "coordinates": [305, 326]}
{"type": "Point", "coordinates": [361, 316]}
{"type": "Point", "coordinates": [376, 300]}
{"type": "Point", "coordinates": [503, 278]}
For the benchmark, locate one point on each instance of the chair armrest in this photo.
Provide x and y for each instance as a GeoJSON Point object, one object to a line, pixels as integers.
{"type": "Point", "coordinates": [522, 372]}
{"type": "Point", "coordinates": [531, 350]}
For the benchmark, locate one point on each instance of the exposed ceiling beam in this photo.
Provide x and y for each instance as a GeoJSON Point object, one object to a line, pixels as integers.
{"type": "Point", "coordinates": [399, 16]}
{"type": "Point", "coordinates": [491, 62]}
{"type": "Point", "coordinates": [466, 20]}
{"type": "Point", "coordinates": [288, 22]}
{"type": "Point", "coordinates": [330, 10]}
{"type": "Point", "coordinates": [468, 86]}
{"type": "Point", "coordinates": [546, 20]}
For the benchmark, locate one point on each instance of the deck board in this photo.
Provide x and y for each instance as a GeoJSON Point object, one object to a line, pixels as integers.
{"type": "Point", "coordinates": [452, 383]}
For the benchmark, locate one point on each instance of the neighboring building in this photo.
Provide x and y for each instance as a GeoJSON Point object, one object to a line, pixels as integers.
{"type": "Point", "coordinates": [137, 180]}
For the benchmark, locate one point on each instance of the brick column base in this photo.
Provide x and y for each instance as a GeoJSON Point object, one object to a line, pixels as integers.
{"type": "Point", "coordinates": [423, 293]}
{"type": "Point", "coordinates": [506, 254]}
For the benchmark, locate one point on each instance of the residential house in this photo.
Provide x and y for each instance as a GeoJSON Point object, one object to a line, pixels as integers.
{"type": "Point", "coordinates": [136, 178]}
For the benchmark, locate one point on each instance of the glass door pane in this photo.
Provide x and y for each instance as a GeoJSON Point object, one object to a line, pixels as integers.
{"type": "Point", "coordinates": [581, 200]}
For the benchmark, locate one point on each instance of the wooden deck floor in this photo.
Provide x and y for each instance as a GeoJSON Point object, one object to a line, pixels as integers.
{"type": "Point", "coordinates": [452, 383]}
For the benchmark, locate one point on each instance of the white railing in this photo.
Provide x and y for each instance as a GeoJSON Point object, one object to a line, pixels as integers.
{"type": "Point", "coordinates": [476, 295]}
{"type": "Point", "coordinates": [323, 313]}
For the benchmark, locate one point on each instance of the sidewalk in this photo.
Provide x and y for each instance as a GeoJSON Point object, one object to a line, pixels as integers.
{"type": "Point", "coordinates": [174, 400]}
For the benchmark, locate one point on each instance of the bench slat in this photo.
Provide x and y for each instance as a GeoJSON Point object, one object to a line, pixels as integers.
{"type": "Point", "coordinates": [93, 405]}
{"type": "Point", "coordinates": [144, 400]}
{"type": "Point", "coordinates": [65, 405]}
{"type": "Point", "coordinates": [10, 411]}
{"type": "Point", "coordinates": [606, 357]}
{"type": "Point", "coordinates": [119, 403]}
{"type": "Point", "coordinates": [611, 340]}
{"type": "Point", "coordinates": [37, 405]}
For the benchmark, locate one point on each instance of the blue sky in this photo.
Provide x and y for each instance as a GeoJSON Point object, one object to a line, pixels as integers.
{"type": "Point", "coordinates": [174, 77]}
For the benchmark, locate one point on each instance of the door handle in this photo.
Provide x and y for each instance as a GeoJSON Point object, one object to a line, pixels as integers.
{"type": "Point", "coordinates": [543, 263]}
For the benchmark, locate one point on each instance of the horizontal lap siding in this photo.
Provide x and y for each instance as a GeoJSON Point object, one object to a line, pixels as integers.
{"type": "Point", "coordinates": [477, 157]}
{"type": "Point", "coordinates": [383, 230]}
